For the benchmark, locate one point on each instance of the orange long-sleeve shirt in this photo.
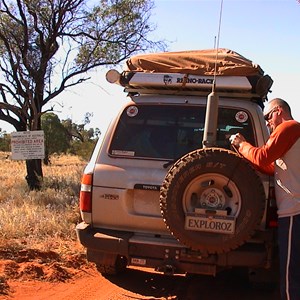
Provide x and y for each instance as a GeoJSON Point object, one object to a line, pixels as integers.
{"type": "Point", "coordinates": [280, 156]}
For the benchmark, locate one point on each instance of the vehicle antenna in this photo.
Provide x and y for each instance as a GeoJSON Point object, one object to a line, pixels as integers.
{"type": "Point", "coordinates": [217, 49]}
{"type": "Point", "coordinates": [211, 117]}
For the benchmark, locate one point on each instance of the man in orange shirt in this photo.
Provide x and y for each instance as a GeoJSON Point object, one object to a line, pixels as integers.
{"type": "Point", "coordinates": [280, 156]}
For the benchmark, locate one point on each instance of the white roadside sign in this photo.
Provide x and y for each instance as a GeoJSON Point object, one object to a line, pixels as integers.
{"type": "Point", "coordinates": [27, 145]}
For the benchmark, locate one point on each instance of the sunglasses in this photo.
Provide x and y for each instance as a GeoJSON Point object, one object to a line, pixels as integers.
{"type": "Point", "coordinates": [269, 115]}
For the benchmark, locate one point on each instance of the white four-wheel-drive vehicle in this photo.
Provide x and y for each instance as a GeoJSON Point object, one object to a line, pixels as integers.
{"type": "Point", "coordinates": [164, 189]}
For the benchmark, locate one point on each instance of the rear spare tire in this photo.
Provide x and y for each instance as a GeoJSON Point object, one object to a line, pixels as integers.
{"type": "Point", "coordinates": [212, 200]}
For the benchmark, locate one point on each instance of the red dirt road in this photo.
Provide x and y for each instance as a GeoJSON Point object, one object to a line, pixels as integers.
{"type": "Point", "coordinates": [36, 275]}
{"type": "Point", "coordinates": [88, 284]}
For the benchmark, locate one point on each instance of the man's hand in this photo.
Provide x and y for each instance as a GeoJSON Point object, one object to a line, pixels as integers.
{"type": "Point", "coordinates": [236, 139]}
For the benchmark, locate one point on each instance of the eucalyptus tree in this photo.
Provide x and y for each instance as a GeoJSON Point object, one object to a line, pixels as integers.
{"type": "Point", "coordinates": [47, 46]}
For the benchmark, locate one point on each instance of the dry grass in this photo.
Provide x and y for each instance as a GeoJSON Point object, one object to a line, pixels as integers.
{"type": "Point", "coordinates": [45, 219]}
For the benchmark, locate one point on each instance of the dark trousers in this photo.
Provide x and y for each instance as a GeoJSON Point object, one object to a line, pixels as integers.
{"type": "Point", "coordinates": [289, 251]}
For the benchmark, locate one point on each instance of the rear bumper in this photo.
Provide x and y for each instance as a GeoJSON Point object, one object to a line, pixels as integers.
{"type": "Point", "coordinates": [109, 241]}
{"type": "Point", "coordinates": [165, 254]}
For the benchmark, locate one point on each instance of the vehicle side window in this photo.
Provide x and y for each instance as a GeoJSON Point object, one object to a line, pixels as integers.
{"type": "Point", "coordinates": [170, 131]}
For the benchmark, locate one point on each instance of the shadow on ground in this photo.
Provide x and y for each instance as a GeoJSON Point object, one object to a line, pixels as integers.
{"type": "Point", "coordinates": [227, 285]}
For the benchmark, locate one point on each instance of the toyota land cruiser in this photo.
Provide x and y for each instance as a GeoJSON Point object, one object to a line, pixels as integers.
{"type": "Point", "coordinates": [164, 189]}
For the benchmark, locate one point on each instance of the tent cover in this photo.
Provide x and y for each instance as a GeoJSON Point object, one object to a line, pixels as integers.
{"type": "Point", "coordinates": [196, 62]}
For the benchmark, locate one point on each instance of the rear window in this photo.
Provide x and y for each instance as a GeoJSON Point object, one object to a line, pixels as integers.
{"type": "Point", "coordinates": [170, 131]}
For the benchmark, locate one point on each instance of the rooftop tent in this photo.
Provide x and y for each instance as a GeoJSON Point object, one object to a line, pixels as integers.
{"type": "Point", "coordinates": [194, 71]}
{"type": "Point", "coordinates": [196, 62]}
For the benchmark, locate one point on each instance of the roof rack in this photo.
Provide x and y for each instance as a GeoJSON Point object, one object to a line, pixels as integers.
{"type": "Point", "coordinates": [184, 84]}
{"type": "Point", "coordinates": [193, 72]}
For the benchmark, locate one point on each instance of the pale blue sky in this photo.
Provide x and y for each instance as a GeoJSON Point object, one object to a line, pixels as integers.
{"type": "Point", "coordinates": [264, 31]}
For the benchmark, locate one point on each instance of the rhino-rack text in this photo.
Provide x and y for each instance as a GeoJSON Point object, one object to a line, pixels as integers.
{"type": "Point", "coordinates": [195, 80]}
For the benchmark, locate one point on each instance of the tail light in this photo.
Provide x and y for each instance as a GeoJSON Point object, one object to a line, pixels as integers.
{"type": "Point", "coordinates": [272, 217]}
{"type": "Point", "coordinates": [85, 199]}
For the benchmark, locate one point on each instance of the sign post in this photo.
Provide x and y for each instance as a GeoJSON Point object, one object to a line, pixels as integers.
{"type": "Point", "coordinates": [27, 145]}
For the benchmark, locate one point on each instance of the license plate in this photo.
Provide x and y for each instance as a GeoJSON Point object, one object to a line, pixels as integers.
{"type": "Point", "coordinates": [216, 224]}
{"type": "Point", "coordinates": [138, 261]}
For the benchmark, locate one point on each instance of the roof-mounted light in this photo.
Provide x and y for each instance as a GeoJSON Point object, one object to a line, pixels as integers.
{"type": "Point", "coordinates": [113, 76]}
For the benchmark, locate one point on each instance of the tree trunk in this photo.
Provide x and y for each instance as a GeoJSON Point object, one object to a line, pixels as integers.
{"type": "Point", "coordinates": [34, 174]}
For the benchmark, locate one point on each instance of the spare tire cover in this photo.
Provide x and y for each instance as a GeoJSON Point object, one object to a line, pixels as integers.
{"type": "Point", "coordinates": [212, 200]}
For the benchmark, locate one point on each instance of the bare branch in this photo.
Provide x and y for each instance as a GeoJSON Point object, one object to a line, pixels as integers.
{"type": "Point", "coordinates": [47, 46]}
